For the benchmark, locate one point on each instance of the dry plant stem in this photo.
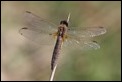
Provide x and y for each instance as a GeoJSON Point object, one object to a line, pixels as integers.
{"type": "Point", "coordinates": [55, 63]}
{"type": "Point", "coordinates": [53, 73]}
{"type": "Point", "coordinates": [68, 17]}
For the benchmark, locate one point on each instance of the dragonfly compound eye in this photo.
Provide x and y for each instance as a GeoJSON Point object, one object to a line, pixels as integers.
{"type": "Point", "coordinates": [64, 22]}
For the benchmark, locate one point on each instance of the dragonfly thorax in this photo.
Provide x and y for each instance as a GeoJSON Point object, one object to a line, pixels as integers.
{"type": "Point", "coordinates": [62, 29]}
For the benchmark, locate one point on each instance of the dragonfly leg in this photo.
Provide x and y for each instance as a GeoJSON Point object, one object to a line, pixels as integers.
{"type": "Point", "coordinates": [64, 37]}
{"type": "Point", "coordinates": [55, 34]}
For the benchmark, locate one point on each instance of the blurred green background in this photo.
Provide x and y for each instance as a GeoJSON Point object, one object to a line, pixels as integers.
{"type": "Point", "coordinates": [25, 60]}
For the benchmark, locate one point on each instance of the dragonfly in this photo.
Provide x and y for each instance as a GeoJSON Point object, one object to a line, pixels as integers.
{"type": "Point", "coordinates": [45, 32]}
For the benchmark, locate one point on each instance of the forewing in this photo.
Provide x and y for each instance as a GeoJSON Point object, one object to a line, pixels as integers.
{"type": "Point", "coordinates": [38, 29]}
{"type": "Point", "coordinates": [80, 39]}
{"type": "Point", "coordinates": [37, 23]}
{"type": "Point", "coordinates": [86, 33]}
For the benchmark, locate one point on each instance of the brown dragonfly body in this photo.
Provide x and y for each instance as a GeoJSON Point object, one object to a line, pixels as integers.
{"type": "Point", "coordinates": [40, 31]}
{"type": "Point", "coordinates": [61, 34]}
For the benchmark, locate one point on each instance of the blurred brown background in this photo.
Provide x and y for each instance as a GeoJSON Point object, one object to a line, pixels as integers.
{"type": "Point", "coordinates": [25, 60]}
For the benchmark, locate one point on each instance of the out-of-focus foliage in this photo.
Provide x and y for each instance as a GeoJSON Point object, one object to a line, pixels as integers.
{"type": "Point", "coordinates": [25, 60]}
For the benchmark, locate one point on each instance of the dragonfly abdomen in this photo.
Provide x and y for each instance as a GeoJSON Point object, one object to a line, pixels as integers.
{"type": "Point", "coordinates": [56, 52]}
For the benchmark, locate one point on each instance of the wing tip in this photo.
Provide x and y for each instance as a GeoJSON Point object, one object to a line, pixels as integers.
{"type": "Point", "coordinates": [27, 11]}
{"type": "Point", "coordinates": [104, 29]}
{"type": "Point", "coordinates": [94, 41]}
{"type": "Point", "coordinates": [22, 29]}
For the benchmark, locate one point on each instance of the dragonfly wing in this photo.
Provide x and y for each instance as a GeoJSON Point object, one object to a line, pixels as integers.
{"type": "Point", "coordinates": [37, 23]}
{"type": "Point", "coordinates": [81, 38]}
{"type": "Point", "coordinates": [37, 29]}
{"type": "Point", "coordinates": [38, 37]}
{"type": "Point", "coordinates": [83, 44]}
{"type": "Point", "coordinates": [86, 33]}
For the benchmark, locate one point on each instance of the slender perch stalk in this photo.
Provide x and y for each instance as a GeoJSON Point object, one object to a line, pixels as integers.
{"type": "Point", "coordinates": [62, 29]}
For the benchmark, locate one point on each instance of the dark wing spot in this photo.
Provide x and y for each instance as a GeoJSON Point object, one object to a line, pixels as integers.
{"type": "Point", "coordinates": [20, 32]}
{"type": "Point", "coordinates": [94, 41]}
{"type": "Point", "coordinates": [50, 34]}
{"type": "Point", "coordinates": [28, 12]}
{"type": "Point", "coordinates": [24, 28]}
{"type": "Point", "coordinates": [101, 27]}
{"type": "Point", "coordinates": [69, 29]}
{"type": "Point", "coordinates": [21, 29]}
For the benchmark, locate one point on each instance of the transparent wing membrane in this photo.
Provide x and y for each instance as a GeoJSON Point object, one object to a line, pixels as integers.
{"type": "Point", "coordinates": [38, 30]}
{"type": "Point", "coordinates": [86, 33]}
{"type": "Point", "coordinates": [80, 39]}
{"type": "Point", "coordinates": [38, 37]}
{"type": "Point", "coordinates": [82, 44]}
{"type": "Point", "coordinates": [41, 31]}
{"type": "Point", "coordinates": [37, 23]}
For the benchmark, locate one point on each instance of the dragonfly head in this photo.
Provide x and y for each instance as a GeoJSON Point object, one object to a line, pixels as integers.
{"type": "Point", "coordinates": [64, 22]}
